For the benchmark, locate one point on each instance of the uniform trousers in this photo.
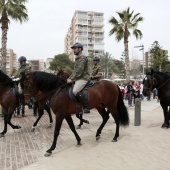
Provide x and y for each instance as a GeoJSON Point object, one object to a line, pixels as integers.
{"type": "Point", "coordinates": [79, 85]}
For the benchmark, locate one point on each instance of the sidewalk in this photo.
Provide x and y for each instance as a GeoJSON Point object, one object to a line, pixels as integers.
{"type": "Point", "coordinates": [137, 146]}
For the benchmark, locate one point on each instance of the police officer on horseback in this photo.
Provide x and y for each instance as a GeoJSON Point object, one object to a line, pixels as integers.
{"type": "Point", "coordinates": [23, 69]}
{"type": "Point", "coordinates": [80, 76]}
{"type": "Point", "coordinates": [97, 70]}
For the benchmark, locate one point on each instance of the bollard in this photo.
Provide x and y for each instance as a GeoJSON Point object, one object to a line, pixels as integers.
{"type": "Point", "coordinates": [137, 120]}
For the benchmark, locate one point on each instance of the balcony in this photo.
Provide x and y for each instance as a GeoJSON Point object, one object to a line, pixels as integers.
{"type": "Point", "coordinates": [97, 30]}
{"type": "Point", "coordinates": [98, 36]}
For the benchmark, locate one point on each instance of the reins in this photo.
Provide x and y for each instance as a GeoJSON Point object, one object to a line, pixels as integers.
{"type": "Point", "coordinates": [40, 96]}
{"type": "Point", "coordinates": [162, 84]}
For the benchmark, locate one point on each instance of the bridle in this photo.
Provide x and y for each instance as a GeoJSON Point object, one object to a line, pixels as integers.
{"type": "Point", "coordinates": [154, 82]}
{"type": "Point", "coordinates": [42, 95]}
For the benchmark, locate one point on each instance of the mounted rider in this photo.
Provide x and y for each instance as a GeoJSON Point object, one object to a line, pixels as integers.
{"type": "Point", "coordinates": [80, 76]}
{"type": "Point", "coordinates": [23, 69]}
{"type": "Point", "coordinates": [97, 69]}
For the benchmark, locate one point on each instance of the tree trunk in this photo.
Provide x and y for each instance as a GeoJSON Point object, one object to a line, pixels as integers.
{"type": "Point", "coordinates": [3, 50]}
{"type": "Point", "coordinates": [127, 66]}
{"type": "Point", "coordinates": [4, 20]}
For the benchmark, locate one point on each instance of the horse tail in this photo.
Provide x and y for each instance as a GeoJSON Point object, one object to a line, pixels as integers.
{"type": "Point", "coordinates": [122, 110]}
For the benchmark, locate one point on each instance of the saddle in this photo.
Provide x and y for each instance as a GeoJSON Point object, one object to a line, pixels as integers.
{"type": "Point", "coordinates": [71, 95]}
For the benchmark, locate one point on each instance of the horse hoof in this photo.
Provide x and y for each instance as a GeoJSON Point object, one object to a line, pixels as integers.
{"type": "Point", "coordinates": [2, 135]}
{"type": "Point", "coordinates": [97, 138]}
{"type": "Point", "coordinates": [79, 143]}
{"type": "Point", "coordinates": [78, 127]}
{"type": "Point", "coordinates": [87, 122]}
{"type": "Point", "coordinates": [47, 154]}
{"type": "Point", "coordinates": [114, 140]}
{"type": "Point", "coordinates": [18, 127]}
{"type": "Point", "coordinates": [50, 125]}
{"type": "Point", "coordinates": [165, 126]}
{"type": "Point", "coordinates": [33, 129]}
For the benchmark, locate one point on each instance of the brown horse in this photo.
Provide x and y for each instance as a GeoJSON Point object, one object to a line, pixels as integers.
{"type": "Point", "coordinates": [104, 93]}
{"type": "Point", "coordinates": [42, 105]}
{"type": "Point", "coordinates": [8, 101]}
{"type": "Point", "coordinates": [66, 74]}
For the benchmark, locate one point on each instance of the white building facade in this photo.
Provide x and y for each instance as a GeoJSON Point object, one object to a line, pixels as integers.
{"type": "Point", "coordinates": [87, 28]}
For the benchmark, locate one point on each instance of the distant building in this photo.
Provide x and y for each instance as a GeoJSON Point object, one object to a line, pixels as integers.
{"type": "Point", "coordinates": [37, 65]}
{"type": "Point", "coordinates": [11, 61]}
{"type": "Point", "coordinates": [47, 64]}
{"type": "Point", "coordinates": [87, 27]}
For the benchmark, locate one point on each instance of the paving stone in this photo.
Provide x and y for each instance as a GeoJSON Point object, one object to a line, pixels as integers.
{"type": "Point", "coordinates": [20, 148]}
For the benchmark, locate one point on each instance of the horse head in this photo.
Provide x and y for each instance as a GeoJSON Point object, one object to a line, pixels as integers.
{"type": "Point", "coordinates": [148, 83]}
{"type": "Point", "coordinates": [64, 74]}
{"type": "Point", "coordinates": [30, 86]}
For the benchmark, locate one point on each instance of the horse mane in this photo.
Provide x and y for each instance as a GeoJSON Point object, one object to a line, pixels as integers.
{"type": "Point", "coordinates": [47, 81]}
{"type": "Point", "coordinates": [163, 75]}
{"type": "Point", "coordinates": [5, 80]}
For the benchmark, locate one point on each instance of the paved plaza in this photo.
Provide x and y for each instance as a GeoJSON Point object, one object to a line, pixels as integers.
{"type": "Point", "coordinates": [23, 149]}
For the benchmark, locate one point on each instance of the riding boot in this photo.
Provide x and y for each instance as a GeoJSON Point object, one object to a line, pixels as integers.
{"type": "Point", "coordinates": [83, 99]}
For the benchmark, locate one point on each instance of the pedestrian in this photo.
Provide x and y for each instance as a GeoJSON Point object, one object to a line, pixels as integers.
{"type": "Point", "coordinates": [141, 91]}
{"type": "Point", "coordinates": [80, 76]}
{"type": "Point", "coordinates": [129, 92]}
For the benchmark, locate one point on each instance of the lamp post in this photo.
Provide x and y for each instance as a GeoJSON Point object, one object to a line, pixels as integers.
{"type": "Point", "coordinates": [141, 48]}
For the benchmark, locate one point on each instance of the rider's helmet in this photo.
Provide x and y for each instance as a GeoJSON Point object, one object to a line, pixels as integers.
{"type": "Point", "coordinates": [96, 58]}
{"type": "Point", "coordinates": [22, 58]}
{"type": "Point", "coordinates": [77, 45]}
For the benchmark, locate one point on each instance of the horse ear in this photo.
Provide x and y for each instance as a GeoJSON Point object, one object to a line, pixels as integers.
{"type": "Point", "coordinates": [152, 71]}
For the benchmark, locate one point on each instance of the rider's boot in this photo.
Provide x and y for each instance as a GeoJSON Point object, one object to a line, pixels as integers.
{"type": "Point", "coordinates": [83, 98]}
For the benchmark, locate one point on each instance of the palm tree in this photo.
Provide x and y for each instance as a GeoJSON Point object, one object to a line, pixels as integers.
{"type": "Point", "coordinates": [128, 21]}
{"type": "Point", "coordinates": [16, 10]}
{"type": "Point", "coordinates": [159, 57]}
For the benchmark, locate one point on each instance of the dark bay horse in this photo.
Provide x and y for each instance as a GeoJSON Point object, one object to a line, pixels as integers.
{"type": "Point", "coordinates": [66, 74]}
{"type": "Point", "coordinates": [160, 81]}
{"type": "Point", "coordinates": [42, 104]}
{"type": "Point", "coordinates": [8, 101]}
{"type": "Point", "coordinates": [104, 93]}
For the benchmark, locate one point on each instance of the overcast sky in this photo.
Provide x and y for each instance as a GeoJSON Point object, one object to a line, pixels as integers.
{"type": "Point", "coordinates": [43, 35]}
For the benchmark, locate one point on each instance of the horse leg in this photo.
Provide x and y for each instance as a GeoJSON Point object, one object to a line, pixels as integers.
{"type": "Point", "coordinates": [72, 127]}
{"type": "Point", "coordinates": [47, 108]}
{"type": "Point", "coordinates": [116, 118]}
{"type": "Point", "coordinates": [59, 120]}
{"type": "Point", "coordinates": [80, 116]}
{"type": "Point", "coordinates": [40, 114]}
{"type": "Point", "coordinates": [2, 134]}
{"type": "Point", "coordinates": [105, 116]}
{"type": "Point", "coordinates": [8, 119]}
{"type": "Point", "coordinates": [166, 119]}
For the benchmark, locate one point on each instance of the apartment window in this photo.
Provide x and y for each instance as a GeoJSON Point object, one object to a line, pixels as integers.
{"type": "Point", "coordinates": [84, 32]}
{"type": "Point", "coordinates": [98, 14]}
{"type": "Point", "coordinates": [98, 47]}
{"type": "Point", "coordinates": [82, 13]}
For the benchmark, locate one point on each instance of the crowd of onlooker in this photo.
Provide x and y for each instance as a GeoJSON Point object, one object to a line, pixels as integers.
{"type": "Point", "coordinates": [133, 90]}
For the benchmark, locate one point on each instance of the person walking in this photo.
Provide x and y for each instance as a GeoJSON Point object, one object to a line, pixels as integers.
{"type": "Point", "coordinates": [80, 76]}
{"type": "Point", "coordinates": [130, 93]}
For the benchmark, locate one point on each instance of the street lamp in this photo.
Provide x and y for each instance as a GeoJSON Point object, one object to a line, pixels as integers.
{"type": "Point", "coordinates": [141, 48]}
